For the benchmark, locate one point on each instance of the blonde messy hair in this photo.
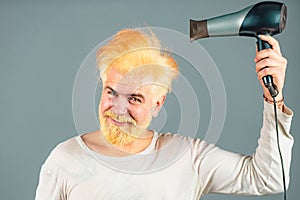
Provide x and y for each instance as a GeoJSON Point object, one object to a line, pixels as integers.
{"type": "Point", "coordinates": [131, 49]}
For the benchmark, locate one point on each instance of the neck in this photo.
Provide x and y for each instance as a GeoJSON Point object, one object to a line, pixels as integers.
{"type": "Point", "coordinates": [136, 146]}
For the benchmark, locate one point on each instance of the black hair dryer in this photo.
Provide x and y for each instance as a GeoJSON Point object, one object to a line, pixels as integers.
{"type": "Point", "coordinates": [262, 18]}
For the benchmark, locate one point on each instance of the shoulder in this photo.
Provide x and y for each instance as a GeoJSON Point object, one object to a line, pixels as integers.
{"type": "Point", "coordinates": [65, 153]}
{"type": "Point", "coordinates": [170, 137]}
{"type": "Point", "coordinates": [195, 145]}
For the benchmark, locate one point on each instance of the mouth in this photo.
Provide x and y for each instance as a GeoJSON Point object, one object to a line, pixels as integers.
{"type": "Point", "coordinates": [118, 123]}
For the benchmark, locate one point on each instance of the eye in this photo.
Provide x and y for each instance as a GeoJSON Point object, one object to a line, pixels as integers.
{"type": "Point", "coordinates": [112, 92]}
{"type": "Point", "coordinates": [134, 100]}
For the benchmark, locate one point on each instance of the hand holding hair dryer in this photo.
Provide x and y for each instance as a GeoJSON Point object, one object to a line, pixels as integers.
{"type": "Point", "coordinates": [262, 18]}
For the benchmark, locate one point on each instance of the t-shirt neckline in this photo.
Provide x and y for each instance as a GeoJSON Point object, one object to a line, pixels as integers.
{"type": "Point", "coordinates": [146, 151]}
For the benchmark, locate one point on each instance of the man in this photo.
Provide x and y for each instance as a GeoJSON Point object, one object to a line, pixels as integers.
{"type": "Point", "coordinates": [125, 160]}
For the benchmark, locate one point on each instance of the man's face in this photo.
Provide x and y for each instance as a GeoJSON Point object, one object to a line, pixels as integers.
{"type": "Point", "coordinates": [127, 106]}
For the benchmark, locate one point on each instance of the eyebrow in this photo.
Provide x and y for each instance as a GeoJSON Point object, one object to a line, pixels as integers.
{"type": "Point", "coordinates": [107, 87]}
{"type": "Point", "coordinates": [138, 95]}
{"type": "Point", "coordinates": [131, 95]}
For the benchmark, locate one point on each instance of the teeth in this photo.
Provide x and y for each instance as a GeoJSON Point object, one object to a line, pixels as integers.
{"type": "Point", "coordinates": [120, 121]}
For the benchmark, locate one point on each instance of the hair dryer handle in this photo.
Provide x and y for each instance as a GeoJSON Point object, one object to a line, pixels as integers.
{"type": "Point", "coordinates": [262, 44]}
{"type": "Point", "coordinates": [268, 79]}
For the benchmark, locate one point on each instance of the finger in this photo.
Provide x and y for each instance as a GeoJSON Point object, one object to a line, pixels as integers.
{"type": "Point", "coordinates": [266, 91]}
{"type": "Point", "coordinates": [276, 73]}
{"type": "Point", "coordinates": [268, 53]}
{"type": "Point", "coordinates": [269, 63]}
{"type": "Point", "coordinates": [272, 41]}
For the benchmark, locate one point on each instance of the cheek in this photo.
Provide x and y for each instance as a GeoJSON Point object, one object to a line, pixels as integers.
{"type": "Point", "coordinates": [141, 114]}
{"type": "Point", "coordinates": [105, 104]}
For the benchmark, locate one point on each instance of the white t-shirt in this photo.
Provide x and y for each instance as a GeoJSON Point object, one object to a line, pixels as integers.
{"type": "Point", "coordinates": [171, 167]}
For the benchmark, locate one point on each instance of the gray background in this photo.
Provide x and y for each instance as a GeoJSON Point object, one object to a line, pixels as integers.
{"type": "Point", "coordinates": [42, 45]}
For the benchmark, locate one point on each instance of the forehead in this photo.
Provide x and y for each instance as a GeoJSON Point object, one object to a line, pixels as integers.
{"type": "Point", "coordinates": [132, 82]}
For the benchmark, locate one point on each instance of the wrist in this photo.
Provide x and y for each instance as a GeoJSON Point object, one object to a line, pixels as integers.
{"type": "Point", "coordinates": [278, 100]}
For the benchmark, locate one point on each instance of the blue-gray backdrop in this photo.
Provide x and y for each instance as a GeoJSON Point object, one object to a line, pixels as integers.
{"type": "Point", "coordinates": [43, 43]}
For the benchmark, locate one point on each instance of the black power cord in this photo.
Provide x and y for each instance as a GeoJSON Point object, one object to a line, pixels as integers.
{"type": "Point", "coordinates": [278, 146]}
{"type": "Point", "coordinates": [268, 82]}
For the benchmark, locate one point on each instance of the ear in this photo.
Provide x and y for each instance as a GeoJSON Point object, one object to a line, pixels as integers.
{"type": "Point", "coordinates": [158, 105]}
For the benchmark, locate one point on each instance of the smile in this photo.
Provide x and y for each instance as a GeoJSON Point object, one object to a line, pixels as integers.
{"type": "Point", "coordinates": [118, 123]}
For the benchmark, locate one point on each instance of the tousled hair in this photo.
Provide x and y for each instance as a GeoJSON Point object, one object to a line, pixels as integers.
{"type": "Point", "coordinates": [135, 49]}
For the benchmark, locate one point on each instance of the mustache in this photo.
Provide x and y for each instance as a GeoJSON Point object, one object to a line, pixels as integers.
{"type": "Point", "coordinates": [120, 118]}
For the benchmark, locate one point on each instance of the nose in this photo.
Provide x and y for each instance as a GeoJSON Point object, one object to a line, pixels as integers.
{"type": "Point", "coordinates": [120, 105]}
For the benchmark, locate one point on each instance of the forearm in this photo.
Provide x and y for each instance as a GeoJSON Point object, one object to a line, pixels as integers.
{"type": "Point", "coordinates": [258, 174]}
{"type": "Point", "coordinates": [266, 160]}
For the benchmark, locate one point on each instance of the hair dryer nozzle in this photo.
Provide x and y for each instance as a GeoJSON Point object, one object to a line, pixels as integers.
{"type": "Point", "coordinates": [198, 29]}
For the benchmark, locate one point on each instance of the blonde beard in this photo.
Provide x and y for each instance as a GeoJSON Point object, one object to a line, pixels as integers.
{"type": "Point", "coordinates": [121, 136]}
